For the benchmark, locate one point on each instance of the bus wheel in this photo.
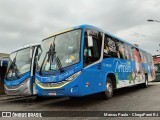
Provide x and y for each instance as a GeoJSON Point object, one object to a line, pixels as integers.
{"type": "Point", "coordinates": [109, 89]}
{"type": "Point", "coordinates": [145, 85]}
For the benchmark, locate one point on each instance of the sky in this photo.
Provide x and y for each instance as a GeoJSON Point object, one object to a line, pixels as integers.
{"type": "Point", "coordinates": [25, 22]}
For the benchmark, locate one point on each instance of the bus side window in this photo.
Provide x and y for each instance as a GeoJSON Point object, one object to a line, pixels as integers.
{"type": "Point", "coordinates": [149, 59]}
{"type": "Point", "coordinates": [126, 52]}
{"type": "Point", "coordinates": [130, 52]}
{"type": "Point", "coordinates": [145, 59]}
{"type": "Point", "coordinates": [110, 47]}
{"type": "Point", "coordinates": [136, 55]}
{"type": "Point", "coordinates": [92, 47]}
{"type": "Point", "coordinates": [142, 56]}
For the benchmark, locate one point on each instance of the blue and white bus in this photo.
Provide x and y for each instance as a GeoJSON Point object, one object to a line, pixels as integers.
{"type": "Point", "coordinates": [20, 76]}
{"type": "Point", "coordinates": [85, 60]}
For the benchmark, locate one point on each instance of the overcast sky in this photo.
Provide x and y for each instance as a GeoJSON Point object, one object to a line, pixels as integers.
{"type": "Point", "coordinates": [28, 21]}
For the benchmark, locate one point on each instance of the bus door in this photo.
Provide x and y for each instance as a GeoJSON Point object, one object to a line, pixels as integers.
{"type": "Point", "coordinates": [34, 52]}
{"type": "Point", "coordinates": [92, 61]}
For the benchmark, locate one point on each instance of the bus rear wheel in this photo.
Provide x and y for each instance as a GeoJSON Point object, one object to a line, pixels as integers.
{"type": "Point", "coordinates": [145, 85]}
{"type": "Point", "coordinates": [109, 89]}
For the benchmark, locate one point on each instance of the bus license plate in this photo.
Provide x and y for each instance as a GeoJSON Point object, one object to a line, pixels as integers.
{"type": "Point", "coordinates": [52, 93]}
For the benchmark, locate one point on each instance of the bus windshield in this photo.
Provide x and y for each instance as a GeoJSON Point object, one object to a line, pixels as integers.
{"type": "Point", "coordinates": [19, 64]}
{"type": "Point", "coordinates": [60, 51]}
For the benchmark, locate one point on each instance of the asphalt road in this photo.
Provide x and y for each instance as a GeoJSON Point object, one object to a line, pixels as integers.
{"type": "Point", "coordinates": [125, 99]}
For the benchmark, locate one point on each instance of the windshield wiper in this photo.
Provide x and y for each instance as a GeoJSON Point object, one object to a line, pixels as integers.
{"type": "Point", "coordinates": [59, 64]}
{"type": "Point", "coordinates": [16, 70]}
{"type": "Point", "coordinates": [51, 55]}
{"type": "Point", "coordinates": [47, 53]}
{"type": "Point", "coordinates": [14, 67]}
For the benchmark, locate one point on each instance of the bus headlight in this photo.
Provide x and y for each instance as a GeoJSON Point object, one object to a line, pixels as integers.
{"type": "Point", "coordinates": [74, 76]}
{"type": "Point", "coordinates": [37, 81]}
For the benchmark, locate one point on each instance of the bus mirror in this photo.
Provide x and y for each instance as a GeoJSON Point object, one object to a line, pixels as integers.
{"type": "Point", "coordinates": [90, 41]}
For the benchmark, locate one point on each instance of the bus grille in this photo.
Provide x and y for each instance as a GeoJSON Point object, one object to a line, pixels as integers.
{"type": "Point", "coordinates": [57, 84]}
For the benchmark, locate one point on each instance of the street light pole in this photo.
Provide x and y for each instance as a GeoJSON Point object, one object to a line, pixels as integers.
{"type": "Point", "coordinates": [150, 20]}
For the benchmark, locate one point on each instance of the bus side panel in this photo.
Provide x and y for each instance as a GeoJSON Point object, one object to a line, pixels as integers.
{"type": "Point", "coordinates": [93, 79]}
{"type": "Point", "coordinates": [122, 69]}
{"type": "Point", "coordinates": [127, 72]}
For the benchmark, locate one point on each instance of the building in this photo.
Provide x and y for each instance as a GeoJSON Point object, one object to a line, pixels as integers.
{"type": "Point", "coordinates": [4, 55]}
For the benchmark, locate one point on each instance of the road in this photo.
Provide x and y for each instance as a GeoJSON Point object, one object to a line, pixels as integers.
{"type": "Point", "coordinates": [126, 99]}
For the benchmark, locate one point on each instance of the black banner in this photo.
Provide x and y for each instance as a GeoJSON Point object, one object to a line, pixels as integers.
{"type": "Point", "coordinates": [79, 113]}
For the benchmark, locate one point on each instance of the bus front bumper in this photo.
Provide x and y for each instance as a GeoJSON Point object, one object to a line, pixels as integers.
{"type": "Point", "coordinates": [20, 89]}
{"type": "Point", "coordinates": [72, 89]}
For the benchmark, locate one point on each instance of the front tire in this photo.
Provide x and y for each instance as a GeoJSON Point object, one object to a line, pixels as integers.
{"type": "Point", "coordinates": [109, 89]}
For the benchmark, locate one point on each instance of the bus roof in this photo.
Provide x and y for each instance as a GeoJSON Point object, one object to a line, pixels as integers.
{"type": "Point", "coordinates": [93, 27]}
{"type": "Point", "coordinates": [26, 46]}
